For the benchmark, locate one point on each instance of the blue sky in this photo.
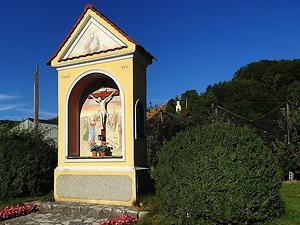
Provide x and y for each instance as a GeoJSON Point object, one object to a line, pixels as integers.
{"type": "Point", "coordinates": [196, 43]}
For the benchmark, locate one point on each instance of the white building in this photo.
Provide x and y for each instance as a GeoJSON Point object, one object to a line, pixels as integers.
{"type": "Point", "coordinates": [178, 106]}
{"type": "Point", "coordinates": [51, 130]}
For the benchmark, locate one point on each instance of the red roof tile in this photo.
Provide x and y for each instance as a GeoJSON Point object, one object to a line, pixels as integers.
{"type": "Point", "coordinates": [87, 7]}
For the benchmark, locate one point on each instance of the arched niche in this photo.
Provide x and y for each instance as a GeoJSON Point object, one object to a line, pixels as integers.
{"type": "Point", "coordinates": [140, 128]}
{"type": "Point", "coordinates": [95, 119]}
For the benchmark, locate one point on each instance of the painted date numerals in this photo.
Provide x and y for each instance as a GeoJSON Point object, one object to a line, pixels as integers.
{"type": "Point", "coordinates": [65, 76]}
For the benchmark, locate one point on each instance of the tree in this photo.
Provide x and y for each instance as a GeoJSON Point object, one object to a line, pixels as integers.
{"type": "Point", "coordinates": [256, 93]}
{"type": "Point", "coordinates": [287, 147]}
{"type": "Point", "coordinates": [162, 125]}
{"type": "Point", "coordinates": [53, 120]}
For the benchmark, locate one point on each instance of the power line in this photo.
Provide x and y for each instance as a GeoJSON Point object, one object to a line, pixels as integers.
{"type": "Point", "coordinates": [268, 113]}
{"type": "Point", "coordinates": [259, 102]}
{"type": "Point", "coordinates": [251, 120]}
{"type": "Point", "coordinates": [236, 115]}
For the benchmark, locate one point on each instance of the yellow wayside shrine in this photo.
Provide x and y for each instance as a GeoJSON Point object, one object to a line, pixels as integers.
{"type": "Point", "coordinates": [101, 111]}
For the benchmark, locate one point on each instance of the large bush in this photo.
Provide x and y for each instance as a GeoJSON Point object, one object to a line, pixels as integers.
{"type": "Point", "coordinates": [219, 173]}
{"type": "Point", "coordinates": [27, 162]}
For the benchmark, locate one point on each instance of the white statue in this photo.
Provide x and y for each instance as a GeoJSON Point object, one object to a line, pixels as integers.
{"type": "Point", "coordinates": [103, 107]}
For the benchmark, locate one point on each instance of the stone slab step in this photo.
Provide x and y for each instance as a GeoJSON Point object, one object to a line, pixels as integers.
{"type": "Point", "coordinates": [96, 211]}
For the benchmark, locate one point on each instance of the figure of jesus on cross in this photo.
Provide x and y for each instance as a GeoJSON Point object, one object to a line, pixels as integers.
{"type": "Point", "coordinates": [103, 107]}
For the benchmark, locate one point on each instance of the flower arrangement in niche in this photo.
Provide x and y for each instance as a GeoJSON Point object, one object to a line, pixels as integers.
{"type": "Point", "coordinates": [16, 211]}
{"type": "Point", "coordinates": [120, 220]}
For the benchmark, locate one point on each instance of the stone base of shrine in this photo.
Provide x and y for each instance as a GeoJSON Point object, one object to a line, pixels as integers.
{"type": "Point", "coordinates": [112, 186]}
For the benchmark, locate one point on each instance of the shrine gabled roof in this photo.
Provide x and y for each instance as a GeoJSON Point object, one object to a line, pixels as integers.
{"type": "Point", "coordinates": [115, 48]}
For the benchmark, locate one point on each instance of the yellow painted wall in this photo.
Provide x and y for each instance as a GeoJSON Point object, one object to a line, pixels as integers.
{"type": "Point", "coordinates": [122, 70]}
{"type": "Point", "coordinates": [139, 83]}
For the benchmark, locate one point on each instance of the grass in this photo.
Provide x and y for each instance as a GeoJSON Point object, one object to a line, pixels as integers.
{"type": "Point", "coordinates": [14, 201]}
{"type": "Point", "coordinates": [290, 193]}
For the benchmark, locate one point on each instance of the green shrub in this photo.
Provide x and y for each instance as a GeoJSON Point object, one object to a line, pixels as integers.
{"type": "Point", "coordinates": [220, 173]}
{"type": "Point", "coordinates": [27, 163]}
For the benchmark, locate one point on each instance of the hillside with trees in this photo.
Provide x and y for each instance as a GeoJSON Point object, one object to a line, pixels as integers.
{"type": "Point", "coordinates": [254, 90]}
{"type": "Point", "coordinates": [264, 95]}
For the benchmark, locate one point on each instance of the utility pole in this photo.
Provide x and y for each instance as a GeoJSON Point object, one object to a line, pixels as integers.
{"type": "Point", "coordinates": [94, 3]}
{"type": "Point", "coordinates": [186, 102]}
{"type": "Point", "coordinates": [287, 123]}
{"type": "Point", "coordinates": [36, 96]}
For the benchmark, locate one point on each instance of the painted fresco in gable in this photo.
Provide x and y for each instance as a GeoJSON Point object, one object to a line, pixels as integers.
{"type": "Point", "coordinates": [101, 124]}
{"type": "Point", "coordinates": [93, 40]}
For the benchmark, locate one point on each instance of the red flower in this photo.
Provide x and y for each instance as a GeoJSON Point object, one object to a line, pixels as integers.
{"type": "Point", "coordinates": [17, 210]}
{"type": "Point", "coordinates": [120, 220]}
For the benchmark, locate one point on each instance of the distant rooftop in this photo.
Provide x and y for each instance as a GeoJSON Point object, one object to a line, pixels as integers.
{"type": "Point", "coordinates": [43, 121]}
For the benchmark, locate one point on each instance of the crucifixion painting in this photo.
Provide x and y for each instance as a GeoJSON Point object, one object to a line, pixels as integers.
{"type": "Point", "coordinates": [101, 124]}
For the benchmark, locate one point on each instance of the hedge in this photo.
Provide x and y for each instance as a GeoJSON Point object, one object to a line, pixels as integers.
{"type": "Point", "coordinates": [27, 163]}
{"type": "Point", "coordinates": [220, 173]}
